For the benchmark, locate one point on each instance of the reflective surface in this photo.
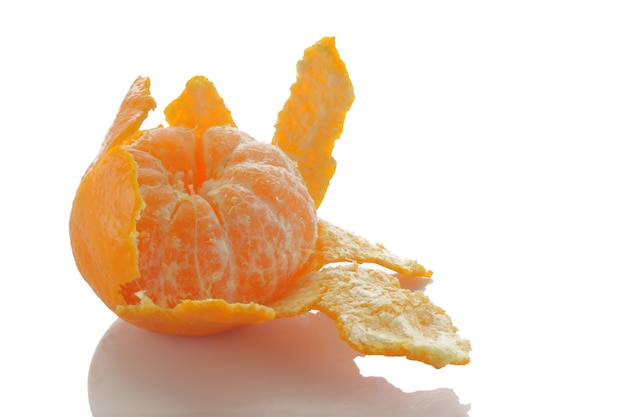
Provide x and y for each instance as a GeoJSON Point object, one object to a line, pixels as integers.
{"type": "Point", "coordinates": [289, 367]}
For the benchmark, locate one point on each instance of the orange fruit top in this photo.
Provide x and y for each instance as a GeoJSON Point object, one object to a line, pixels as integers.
{"type": "Point", "coordinates": [196, 227]}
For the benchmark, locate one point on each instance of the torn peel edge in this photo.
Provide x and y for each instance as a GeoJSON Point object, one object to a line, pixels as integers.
{"type": "Point", "coordinates": [133, 111]}
{"type": "Point", "coordinates": [313, 116]}
{"type": "Point", "coordinates": [375, 316]}
{"type": "Point", "coordinates": [194, 317]}
{"type": "Point", "coordinates": [335, 245]}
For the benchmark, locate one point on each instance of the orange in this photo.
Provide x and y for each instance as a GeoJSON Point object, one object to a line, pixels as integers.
{"type": "Point", "coordinates": [196, 227]}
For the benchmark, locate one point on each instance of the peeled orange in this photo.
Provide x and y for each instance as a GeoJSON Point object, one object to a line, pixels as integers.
{"type": "Point", "coordinates": [196, 227]}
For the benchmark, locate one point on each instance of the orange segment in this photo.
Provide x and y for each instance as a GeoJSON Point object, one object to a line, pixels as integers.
{"type": "Point", "coordinates": [313, 116]}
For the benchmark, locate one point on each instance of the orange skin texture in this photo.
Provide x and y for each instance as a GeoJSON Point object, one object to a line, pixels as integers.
{"type": "Point", "coordinates": [313, 116]}
{"type": "Point", "coordinates": [197, 228]}
{"type": "Point", "coordinates": [105, 250]}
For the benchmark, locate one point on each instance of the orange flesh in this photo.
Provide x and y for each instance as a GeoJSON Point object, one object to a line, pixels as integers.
{"type": "Point", "coordinates": [238, 230]}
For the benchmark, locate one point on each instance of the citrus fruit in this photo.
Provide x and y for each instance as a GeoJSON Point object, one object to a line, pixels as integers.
{"type": "Point", "coordinates": [195, 227]}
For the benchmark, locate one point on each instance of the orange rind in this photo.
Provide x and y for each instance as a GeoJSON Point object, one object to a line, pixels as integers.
{"type": "Point", "coordinates": [197, 228]}
{"type": "Point", "coordinates": [313, 116]}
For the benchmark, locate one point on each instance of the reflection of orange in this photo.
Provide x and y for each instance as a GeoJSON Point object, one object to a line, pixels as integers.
{"type": "Point", "coordinates": [197, 228]}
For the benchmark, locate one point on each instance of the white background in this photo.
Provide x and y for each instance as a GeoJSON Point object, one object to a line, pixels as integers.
{"type": "Point", "coordinates": [486, 141]}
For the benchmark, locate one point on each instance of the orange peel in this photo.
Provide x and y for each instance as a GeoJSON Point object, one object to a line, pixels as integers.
{"type": "Point", "coordinates": [313, 116]}
{"type": "Point", "coordinates": [196, 228]}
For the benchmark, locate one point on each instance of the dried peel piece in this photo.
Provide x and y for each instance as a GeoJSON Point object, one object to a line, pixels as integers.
{"type": "Point", "coordinates": [377, 317]}
{"type": "Point", "coordinates": [313, 116]}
